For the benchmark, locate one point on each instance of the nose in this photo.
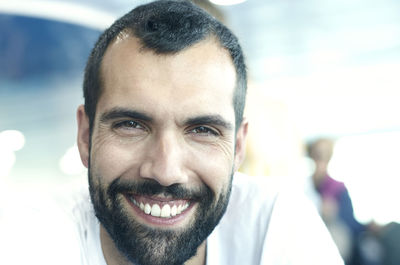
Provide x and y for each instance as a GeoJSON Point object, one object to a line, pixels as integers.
{"type": "Point", "coordinates": [164, 160]}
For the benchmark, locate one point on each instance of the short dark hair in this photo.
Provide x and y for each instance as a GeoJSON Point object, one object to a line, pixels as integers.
{"type": "Point", "coordinates": [165, 27]}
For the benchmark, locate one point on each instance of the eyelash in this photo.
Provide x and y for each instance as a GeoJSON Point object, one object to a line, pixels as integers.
{"type": "Point", "coordinates": [206, 129]}
{"type": "Point", "coordinates": [129, 124]}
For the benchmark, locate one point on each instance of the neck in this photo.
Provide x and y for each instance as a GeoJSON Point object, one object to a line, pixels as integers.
{"type": "Point", "coordinates": [200, 258]}
{"type": "Point", "coordinates": [114, 257]}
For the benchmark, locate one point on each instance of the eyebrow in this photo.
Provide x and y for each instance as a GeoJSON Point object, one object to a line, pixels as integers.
{"type": "Point", "coordinates": [210, 119]}
{"type": "Point", "coordinates": [117, 113]}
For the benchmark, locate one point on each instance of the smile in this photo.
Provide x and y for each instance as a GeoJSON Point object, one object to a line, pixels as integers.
{"type": "Point", "coordinates": [163, 209]}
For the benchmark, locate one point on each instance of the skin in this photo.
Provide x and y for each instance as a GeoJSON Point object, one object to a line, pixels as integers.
{"type": "Point", "coordinates": [184, 134]}
{"type": "Point", "coordinates": [321, 154]}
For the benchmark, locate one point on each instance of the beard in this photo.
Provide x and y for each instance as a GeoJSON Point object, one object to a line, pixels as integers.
{"type": "Point", "coordinates": [145, 245]}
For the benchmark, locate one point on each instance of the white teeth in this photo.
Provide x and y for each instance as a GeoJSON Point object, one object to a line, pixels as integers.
{"type": "Point", "coordinates": [155, 210]}
{"type": "Point", "coordinates": [147, 208]}
{"type": "Point", "coordinates": [173, 210]}
{"type": "Point", "coordinates": [166, 211]}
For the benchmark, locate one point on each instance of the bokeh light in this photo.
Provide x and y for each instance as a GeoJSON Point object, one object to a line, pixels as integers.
{"type": "Point", "coordinates": [10, 141]}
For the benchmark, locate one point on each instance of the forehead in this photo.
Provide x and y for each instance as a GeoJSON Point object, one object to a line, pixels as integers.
{"type": "Point", "coordinates": [201, 78]}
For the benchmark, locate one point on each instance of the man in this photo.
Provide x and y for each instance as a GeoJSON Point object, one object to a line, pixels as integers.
{"type": "Point", "coordinates": [162, 133]}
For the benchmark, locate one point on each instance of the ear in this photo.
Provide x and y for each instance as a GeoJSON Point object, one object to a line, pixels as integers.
{"type": "Point", "coordinates": [83, 135]}
{"type": "Point", "coordinates": [240, 151]}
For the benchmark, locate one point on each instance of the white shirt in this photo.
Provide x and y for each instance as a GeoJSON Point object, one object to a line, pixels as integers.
{"type": "Point", "coordinates": [264, 224]}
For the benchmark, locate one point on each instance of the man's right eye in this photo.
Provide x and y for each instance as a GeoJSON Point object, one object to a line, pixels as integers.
{"type": "Point", "coordinates": [128, 125]}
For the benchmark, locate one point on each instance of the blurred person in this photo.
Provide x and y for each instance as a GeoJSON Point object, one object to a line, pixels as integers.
{"type": "Point", "coordinates": [379, 244]}
{"type": "Point", "coordinates": [370, 249]}
{"type": "Point", "coordinates": [390, 241]}
{"type": "Point", "coordinates": [333, 200]}
{"type": "Point", "coordinates": [162, 134]}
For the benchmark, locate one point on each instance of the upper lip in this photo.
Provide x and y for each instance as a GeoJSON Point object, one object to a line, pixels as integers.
{"type": "Point", "coordinates": [159, 198]}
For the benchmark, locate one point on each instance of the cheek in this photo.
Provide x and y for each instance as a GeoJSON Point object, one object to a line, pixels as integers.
{"type": "Point", "coordinates": [110, 161]}
{"type": "Point", "coordinates": [214, 168]}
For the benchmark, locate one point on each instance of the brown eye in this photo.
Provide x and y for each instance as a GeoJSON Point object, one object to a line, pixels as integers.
{"type": "Point", "coordinates": [128, 125]}
{"type": "Point", "coordinates": [203, 130]}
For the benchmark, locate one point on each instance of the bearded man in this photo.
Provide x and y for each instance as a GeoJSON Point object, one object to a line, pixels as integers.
{"type": "Point", "coordinates": [162, 134]}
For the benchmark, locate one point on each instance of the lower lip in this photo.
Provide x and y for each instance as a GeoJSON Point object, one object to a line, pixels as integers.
{"type": "Point", "coordinates": [159, 221]}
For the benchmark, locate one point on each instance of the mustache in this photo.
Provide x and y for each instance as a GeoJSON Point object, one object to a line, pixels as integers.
{"type": "Point", "coordinates": [151, 187]}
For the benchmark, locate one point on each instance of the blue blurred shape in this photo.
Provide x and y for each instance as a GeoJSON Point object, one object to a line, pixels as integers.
{"type": "Point", "coordinates": [39, 48]}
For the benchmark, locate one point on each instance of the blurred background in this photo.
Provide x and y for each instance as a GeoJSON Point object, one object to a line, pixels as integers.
{"type": "Point", "coordinates": [326, 69]}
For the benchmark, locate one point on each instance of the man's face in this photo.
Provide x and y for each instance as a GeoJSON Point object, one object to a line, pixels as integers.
{"type": "Point", "coordinates": [162, 151]}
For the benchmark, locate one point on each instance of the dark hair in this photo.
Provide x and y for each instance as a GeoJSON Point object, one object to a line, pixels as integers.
{"type": "Point", "coordinates": [165, 27]}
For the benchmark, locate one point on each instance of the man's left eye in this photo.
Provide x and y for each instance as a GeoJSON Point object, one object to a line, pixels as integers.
{"type": "Point", "coordinates": [203, 130]}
